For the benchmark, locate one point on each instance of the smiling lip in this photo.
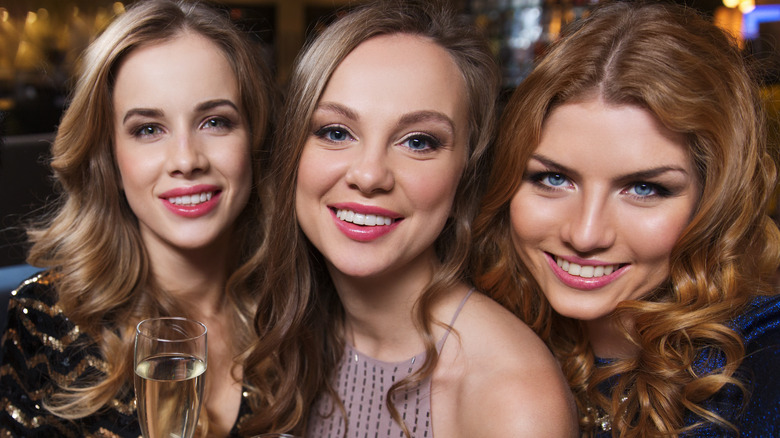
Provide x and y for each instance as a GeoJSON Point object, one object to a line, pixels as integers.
{"type": "Point", "coordinates": [191, 202]}
{"type": "Point", "coordinates": [584, 276]}
{"type": "Point", "coordinates": [364, 223]}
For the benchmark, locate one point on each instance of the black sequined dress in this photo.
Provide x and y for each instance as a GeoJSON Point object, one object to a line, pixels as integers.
{"type": "Point", "coordinates": [41, 348]}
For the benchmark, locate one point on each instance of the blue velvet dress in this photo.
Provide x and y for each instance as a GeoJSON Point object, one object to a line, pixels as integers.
{"type": "Point", "coordinates": [759, 326]}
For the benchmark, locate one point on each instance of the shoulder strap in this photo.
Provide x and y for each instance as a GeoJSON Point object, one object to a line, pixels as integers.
{"type": "Point", "coordinates": [454, 317]}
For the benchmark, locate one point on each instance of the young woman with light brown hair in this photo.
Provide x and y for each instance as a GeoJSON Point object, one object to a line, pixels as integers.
{"type": "Point", "coordinates": [366, 325]}
{"type": "Point", "coordinates": [156, 160]}
{"type": "Point", "coordinates": [625, 221]}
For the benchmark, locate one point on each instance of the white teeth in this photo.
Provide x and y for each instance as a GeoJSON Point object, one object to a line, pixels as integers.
{"type": "Point", "coordinates": [369, 220]}
{"type": "Point", "coordinates": [586, 271]}
{"type": "Point", "coordinates": [191, 200]}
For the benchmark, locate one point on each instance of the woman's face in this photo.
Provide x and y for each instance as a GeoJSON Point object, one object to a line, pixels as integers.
{"type": "Point", "coordinates": [603, 200]}
{"type": "Point", "coordinates": [386, 149]}
{"type": "Point", "coordinates": [181, 142]}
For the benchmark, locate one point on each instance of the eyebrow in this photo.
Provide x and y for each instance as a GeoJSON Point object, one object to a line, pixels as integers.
{"type": "Point", "coordinates": [338, 109]}
{"type": "Point", "coordinates": [406, 119]}
{"type": "Point", "coordinates": [426, 116]}
{"type": "Point", "coordinates": [156, 112]}
{"type": "Point", "coordinates": [639, 175]}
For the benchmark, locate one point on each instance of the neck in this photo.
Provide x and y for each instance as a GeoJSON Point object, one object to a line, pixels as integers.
{"type": "Point", "coordinates": [608, 338]}
{"type": "Point", "coordinates": [378, 310]}
{"type": "Point", "coordinates": [196, 278]}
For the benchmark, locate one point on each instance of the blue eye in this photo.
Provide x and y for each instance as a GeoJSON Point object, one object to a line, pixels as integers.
{"type": "Point", "coordinates": [337, 135]}
{"type": "Point", "coordinates": [644, 189]}
{"type": "Point", "coordinates": [553, 179]}
{"type": "Point", "coordinates": [334, 134]}
{"type": "Point", "coordinates": [421, 143]}
{"type": "Point", "coordinates": [417, 143]}
{"type": "Point", "coordinates": [648, 190]}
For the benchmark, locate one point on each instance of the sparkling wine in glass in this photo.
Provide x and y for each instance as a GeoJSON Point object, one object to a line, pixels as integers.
{"type": "Point", "coordinates": [170, 364]}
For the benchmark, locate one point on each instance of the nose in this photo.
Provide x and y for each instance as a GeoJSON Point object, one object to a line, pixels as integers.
{"type": "Point", "coordinates": [590, 225]}
{"type": "Point", "coordinates": [369, 170]}
{"type": "Point", "coordinates": [186, 156]}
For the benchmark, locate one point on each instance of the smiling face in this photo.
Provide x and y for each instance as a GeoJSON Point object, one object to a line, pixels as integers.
{"type": "Point", "coordinates": [181, 143]}
{"type": "Point", "coordinates": [604, 198]}
{"type": "Point", "coordinates": [386, 150]}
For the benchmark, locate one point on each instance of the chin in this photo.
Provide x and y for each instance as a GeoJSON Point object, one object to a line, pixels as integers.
{"type": "Point", "coordinates": [582, 313]}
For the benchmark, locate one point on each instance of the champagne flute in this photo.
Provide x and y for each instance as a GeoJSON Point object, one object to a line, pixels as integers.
{"type": "Point", "coordinates": [274, 435]}
{"type": "Point", "coordinates": [170, 363]}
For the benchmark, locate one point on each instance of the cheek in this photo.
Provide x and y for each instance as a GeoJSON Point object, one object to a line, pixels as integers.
{"type": "Point", "coordinates": [530, 220]}
{"type": "Point", "coordinates": [431, 188]}
{"type": "Point", "coordinates": [134, 169]}
{"type": "Point", "coordinates": [315, 175]}
{"type": "Point", "coordinates": [241, 164]}
{"type": "Point", "coordinates": [433, 195]}
{"type": "Point", "coordinates": [653, 237]}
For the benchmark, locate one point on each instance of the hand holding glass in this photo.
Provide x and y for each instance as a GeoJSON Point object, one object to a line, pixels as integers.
{"type": "Point", "coordinates": [170, 362]}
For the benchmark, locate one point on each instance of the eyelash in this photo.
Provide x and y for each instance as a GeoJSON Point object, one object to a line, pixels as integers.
{"type": "Point", "coordinates": [432, 143]}
{"type": "Point", "coordinates": [659, 191]}
{"type": "Point", "coordinates": [223, 124]}
{"type": "Point", "coordinates": [538, 180]}
{"type": "Point", "coordinates": [323, 133]}
{"type": "Point", "coordinates": [138, 132]}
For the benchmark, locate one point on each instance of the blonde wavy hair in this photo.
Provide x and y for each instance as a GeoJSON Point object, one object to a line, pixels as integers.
{"type": "Point", "coordinates": [299, 321]}
{"type": "Point", "coordinates": [692, 77]}
{"type": "Point", "coordinates": [92, 239]}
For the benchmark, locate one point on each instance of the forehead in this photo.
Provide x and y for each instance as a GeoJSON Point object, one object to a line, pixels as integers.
{"type": "Point", "coordinates": [602, 138]}
{"type": "Point", "coordinates": [406, 69]}
{"type": "Point", "coordinates": [174, 68]}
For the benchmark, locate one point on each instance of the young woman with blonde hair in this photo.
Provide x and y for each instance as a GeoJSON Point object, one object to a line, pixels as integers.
{"type": "Point", "coordinates": [366, 325]}
{"type": "Point", "coordinates": [156, 159]}
{"type": "Point", "coordinates": [625, 222]}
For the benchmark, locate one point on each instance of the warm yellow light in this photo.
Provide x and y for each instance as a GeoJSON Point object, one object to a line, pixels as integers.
{"type": "Point", "coordinates": [4, 15]}
{"type": "Point", "coordinates": [32, 17]}
{"type": "Point", "coordinates": [119, 8]}
{"type": "Point", "coordinates": [43, 14]}
{"type": "Point", "coordinates": [746, 6]}
{"type": "Point", "coordinates": [731, 3]}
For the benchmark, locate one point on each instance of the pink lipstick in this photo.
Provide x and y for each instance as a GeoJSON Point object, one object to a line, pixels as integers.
{"type": "Point", "coordinates": [191, 202]}
{"type": "Point", "coordinates": [582, 282]}
{"type": "Point", "coordinates": [364, 223]}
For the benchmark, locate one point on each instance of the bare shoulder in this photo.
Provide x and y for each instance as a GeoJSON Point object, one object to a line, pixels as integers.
{"type": "Point", "coordinates": [500, 378]}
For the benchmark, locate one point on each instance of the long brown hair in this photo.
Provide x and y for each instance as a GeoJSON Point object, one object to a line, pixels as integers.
{"type": "Point", "coordinates": [692, 77]}
{"type": "Point", "coordinates": [300, 316]}
{"type": "Point", "coordinates": [92, 240]}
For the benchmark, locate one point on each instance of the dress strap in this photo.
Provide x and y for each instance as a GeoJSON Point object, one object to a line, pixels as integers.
{"type": "Point", "coordinates": [454, 317]}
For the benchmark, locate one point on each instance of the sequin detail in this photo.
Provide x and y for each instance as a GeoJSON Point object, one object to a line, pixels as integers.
{"type": "Point", "coordinates": [759, 326]}
{"type": "Point", "coordinates": [43, 349]}
{"type": "Point", "coordinates": [362, 383]}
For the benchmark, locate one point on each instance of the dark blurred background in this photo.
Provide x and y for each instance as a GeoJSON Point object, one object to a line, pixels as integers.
{"type": "Point", "coordinates": [41, 42]}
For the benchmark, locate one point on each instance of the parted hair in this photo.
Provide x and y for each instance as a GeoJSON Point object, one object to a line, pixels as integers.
{"type": "Point", "coordinates": [692, 77]}
{"type": "Point", "coordinates": [92, 239]}
{"type": "Point", "coordinates": [299, 321]}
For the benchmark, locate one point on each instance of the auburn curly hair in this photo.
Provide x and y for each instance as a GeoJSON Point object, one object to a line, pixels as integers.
{"type": "Point", "coordinates": [680, 67]}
